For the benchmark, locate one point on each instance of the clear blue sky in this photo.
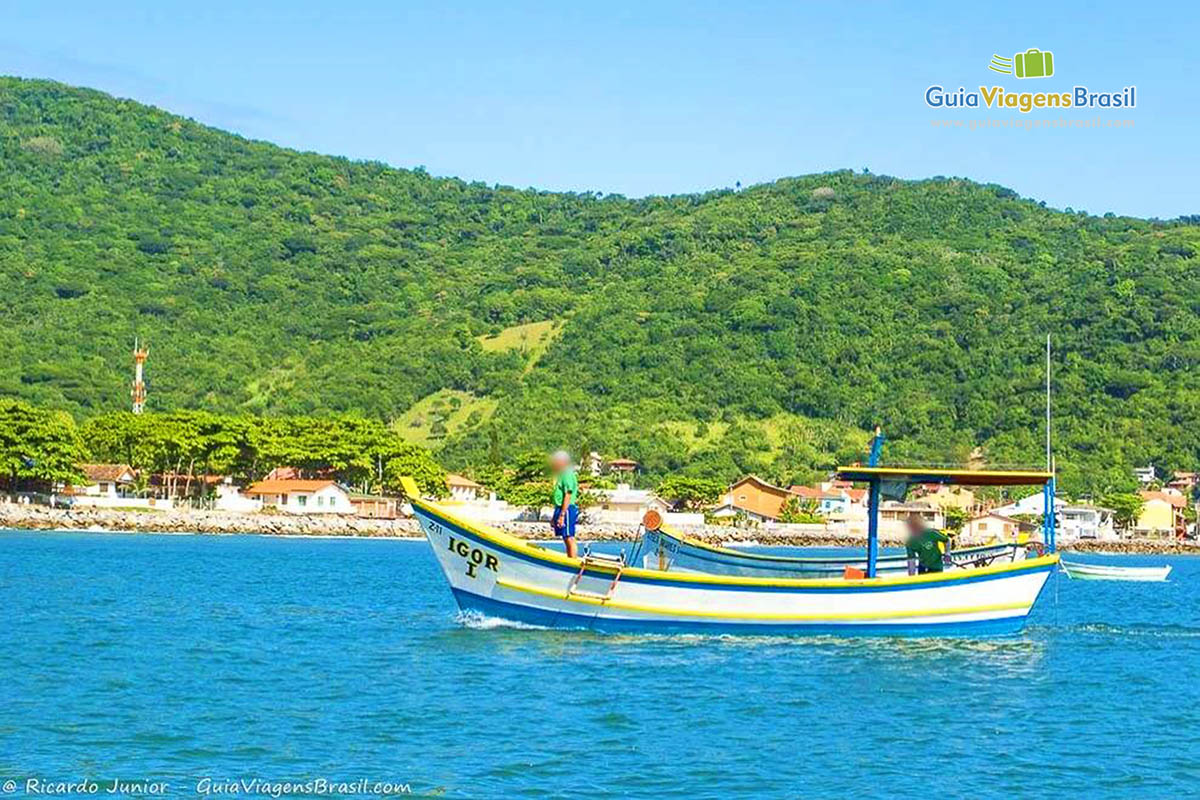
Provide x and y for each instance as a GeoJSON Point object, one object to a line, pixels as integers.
{"type": "Point", "coordinates": [648, 97]}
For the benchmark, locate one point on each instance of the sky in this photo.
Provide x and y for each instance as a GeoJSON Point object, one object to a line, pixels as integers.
{"type": "Point", "coordinates": [648, 97]}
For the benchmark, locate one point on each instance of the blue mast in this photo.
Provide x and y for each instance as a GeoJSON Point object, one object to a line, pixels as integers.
{"type": "Point", "coordinates": [876, 447]}
{"type": "Point", "coordinates": [873, 504]}
{"type": "Point", "coordinates": [1049, 509]}
{"type": "Point", "coordinates": [872, 527]}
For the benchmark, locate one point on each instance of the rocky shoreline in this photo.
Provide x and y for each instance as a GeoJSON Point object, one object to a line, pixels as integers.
{"type": "Point", "coordinates": [35, 517]}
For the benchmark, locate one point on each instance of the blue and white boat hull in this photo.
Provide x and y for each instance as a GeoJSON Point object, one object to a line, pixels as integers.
{"type": "Point", "coordinates": [499, 575]}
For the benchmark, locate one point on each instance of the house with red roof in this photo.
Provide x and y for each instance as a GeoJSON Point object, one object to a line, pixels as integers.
{"type": "Point", "coordinates": [302, 496]}
{"type": "Point", "coordinates": [833, 499]}
{"type": "Point", "coordinates": [105, 485]}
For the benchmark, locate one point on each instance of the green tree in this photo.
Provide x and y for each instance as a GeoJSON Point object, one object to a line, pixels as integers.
{"type": "Point", "coordinates": [1126, 507]}
{"type": "Point", "coordinates": [531, 495]}
{"type": "Point", "coordinates": [414, 461]}
{"type": "Point", "coordinates": [796, 511]}
{"type": "Point", "coordinates": [691, 493]}
{"type": "Point", "coordinates": [38, 445]}
{"type": "Point", "coordinates": [956, 518]}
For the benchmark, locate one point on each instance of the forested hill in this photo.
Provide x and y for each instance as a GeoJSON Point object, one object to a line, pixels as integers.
{"type": "Point", "coordinates": [759, 330]}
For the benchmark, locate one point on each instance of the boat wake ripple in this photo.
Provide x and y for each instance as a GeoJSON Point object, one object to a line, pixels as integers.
{"type": "Point", "coordinates": [1140, 629]}
{"type": "Point", "coordinates": [482, 622]}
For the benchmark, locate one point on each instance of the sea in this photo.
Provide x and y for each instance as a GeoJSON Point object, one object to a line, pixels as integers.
{"type": "Point", "coordinates": [251, 666]}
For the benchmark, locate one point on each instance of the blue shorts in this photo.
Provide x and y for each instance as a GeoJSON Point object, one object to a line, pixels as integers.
{"type": "Point", "coordinates": [567, 531]}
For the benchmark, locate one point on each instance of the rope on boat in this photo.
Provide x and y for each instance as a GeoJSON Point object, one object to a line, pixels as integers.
{"type": "Point", "coordinates": [636, 551]}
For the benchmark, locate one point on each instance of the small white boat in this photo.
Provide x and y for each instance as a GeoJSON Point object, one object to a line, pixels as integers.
{"type": "Point", "coordinates": [1099, 572]}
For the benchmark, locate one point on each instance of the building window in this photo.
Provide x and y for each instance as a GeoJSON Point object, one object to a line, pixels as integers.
{"type": "Point", "coordinates": [301, 500]}
{"type": "Point", "coordinates": [320, 501]}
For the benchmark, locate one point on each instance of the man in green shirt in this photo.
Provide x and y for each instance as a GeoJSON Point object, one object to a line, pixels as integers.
{"type": "Point", "coordinates": [566, 496]}
{"type": "Point", "coordinates": [922, 546]}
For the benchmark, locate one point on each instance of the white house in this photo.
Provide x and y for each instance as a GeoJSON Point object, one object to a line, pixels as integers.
{"type": "Point", "coordinates": [1146, 475]}
{"type": "Point", "coordinates": [893, 516]}
{"type": "Point", "coordinates": [993, 527]}
{"type": "Point", "coordinates": [297, 496]}
{"type": "Point", "coordinates": [626, 465]}
{"type": "Point", "coordinates": [107, 480]}
{"type": "Point", "coordinates": [1085, 522]}
{"type": "Point", "coordinates": [230, 498]}
{"type": "Point", "coordinates": [624, 505]}
{"type": "Point", "coordinates": [106, 486]}
{"type": "Point", "coordinates": [1075, 521]}
{"type": "Point", "coordinates": [464, 489]}
{"type": "Point", "coordinates": [1034, 505]}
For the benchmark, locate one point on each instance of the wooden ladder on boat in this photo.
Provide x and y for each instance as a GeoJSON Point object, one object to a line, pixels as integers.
{"type": "Point", "coordinates": [590, 559]}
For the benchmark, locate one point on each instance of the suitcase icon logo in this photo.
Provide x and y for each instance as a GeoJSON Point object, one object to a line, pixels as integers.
{"type": "Point", "coordinates": [1033, 63]}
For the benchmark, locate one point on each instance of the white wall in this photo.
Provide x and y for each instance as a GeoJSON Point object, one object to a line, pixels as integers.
{"type": "Point", "coordinates": [230, 498]}
{"type": "Point", "coordinates": [330, 500]}
{"type": "Point", "coordinates": [113, 501]}
{"type": "Point", "coordinates": [490, 511]}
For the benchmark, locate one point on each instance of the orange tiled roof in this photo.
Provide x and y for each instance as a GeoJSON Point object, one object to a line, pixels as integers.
{"type": "Point", "coordinates": [287, 486]}
{"type": "Point", "coordinates": [459, 480]}
{"type": "Point", "coordinates": [104, 472]}
{"type": "Point", "coordinates": [811, 492]}
{"type": "Point", "coordinates": [1176, 500]}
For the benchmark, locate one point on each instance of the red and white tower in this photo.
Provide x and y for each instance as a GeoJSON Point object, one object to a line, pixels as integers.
{"type": "Point", "coordinates": [139, 385]}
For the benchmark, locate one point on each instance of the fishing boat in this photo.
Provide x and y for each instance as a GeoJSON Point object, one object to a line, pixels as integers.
{"type": "Point", "coordinates": [665, 549]}
{"type": "Point", "coordinates": [1104, 572]}
{"type": "Point", "coordinates": [499, 575]}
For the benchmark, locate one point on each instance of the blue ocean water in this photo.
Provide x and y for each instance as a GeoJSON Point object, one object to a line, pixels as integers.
{"type": "Point", "coordinates": [182, 659]}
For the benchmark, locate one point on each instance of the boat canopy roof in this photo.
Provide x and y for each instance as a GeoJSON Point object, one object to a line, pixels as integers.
{"type": "Point", "coordinates": [962, 477]}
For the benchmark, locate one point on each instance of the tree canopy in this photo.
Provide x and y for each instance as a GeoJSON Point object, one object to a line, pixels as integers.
{"type": "Point", "coordinates": [38, 445]}
{"type": "Point", "coordinates": [359, 452]}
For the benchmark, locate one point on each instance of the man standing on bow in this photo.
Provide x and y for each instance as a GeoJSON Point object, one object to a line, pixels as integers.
{"type": "Point", "coordinates": [566, 498]}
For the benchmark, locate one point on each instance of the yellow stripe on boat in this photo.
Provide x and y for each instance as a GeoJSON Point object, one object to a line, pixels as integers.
{"type": "Point", "coordinates": [683, 612]}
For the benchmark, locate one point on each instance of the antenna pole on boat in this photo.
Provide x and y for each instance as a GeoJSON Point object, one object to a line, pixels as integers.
{"type": "Point", "coordinates": [1048, 464]}
{"type": "Point", "coordinates": [1048, 493]}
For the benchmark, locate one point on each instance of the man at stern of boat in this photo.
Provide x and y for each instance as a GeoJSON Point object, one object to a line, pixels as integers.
{"type": "Point", "coordinates": [922, 546]}
{"type": "Point", "coordinates": [566, 496]}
